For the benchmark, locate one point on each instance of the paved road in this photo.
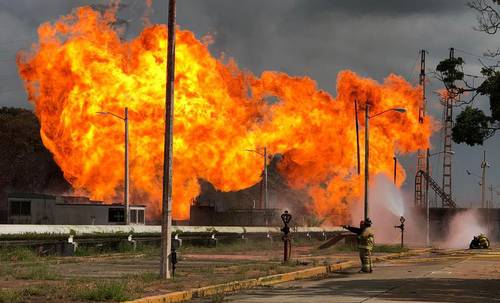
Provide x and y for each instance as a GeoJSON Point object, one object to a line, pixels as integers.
{"type": "Point", "coordinates": [464, 277]}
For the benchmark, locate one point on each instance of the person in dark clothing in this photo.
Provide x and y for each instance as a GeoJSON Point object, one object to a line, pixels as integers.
{"type": "Point", "coordinates": [366, 241]}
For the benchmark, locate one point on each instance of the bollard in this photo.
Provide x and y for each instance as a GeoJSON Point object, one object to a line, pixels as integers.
{"type": "Point", "coordinates": [268, 236]}
{"type": "Point", "coordinates": [287, 244]}
{"type": "Point", "coordinates": [212, 241]}
{"type": "Point", "coordinates": [132, 242]}
{"type": "Point", "coordinates": [176, 241]}
{"type": "Point", "coordinates": [176, 244]}
{"type": "Point", "coordinates": [402, 227]}
{"type": "Point", "coordinates": [69, 248]}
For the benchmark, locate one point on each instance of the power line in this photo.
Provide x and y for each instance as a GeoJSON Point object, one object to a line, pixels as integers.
{"type": "Point", "coordinates": [477, 56]}
{"type": "Point", "coordinates": [411, 74]}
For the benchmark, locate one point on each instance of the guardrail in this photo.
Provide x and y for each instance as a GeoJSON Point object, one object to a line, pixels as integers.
{"type": "Point", "coordinates": [80, 230]}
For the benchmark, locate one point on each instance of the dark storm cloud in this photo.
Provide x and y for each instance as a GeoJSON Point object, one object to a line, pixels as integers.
{"type": "Point", "coordinates": [377, 7]}
{"type": "Point", "coordinates": [317, 38]}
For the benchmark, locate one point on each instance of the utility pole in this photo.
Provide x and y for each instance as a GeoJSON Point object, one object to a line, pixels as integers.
{"type": "Point", "coordinates": [265, 179]}
{"type": "Point", "coordinates": [448, 125]}
{"type": "Point", "coordinates": [357, 134]}
{"type": "Point", "coordinates": [426, 197]}
{"type": "Point", "coordinates": [367, 156]}
{"type": "Point", "coordinates": [166, 224]}
{"type": "Point", "coordinates": [127, 184]}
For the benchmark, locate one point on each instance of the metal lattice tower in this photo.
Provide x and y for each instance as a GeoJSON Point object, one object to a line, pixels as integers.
{"type": "Point", "coordinates": [447, 152]}
{"type": "Point", "coordinates": [419, 198]}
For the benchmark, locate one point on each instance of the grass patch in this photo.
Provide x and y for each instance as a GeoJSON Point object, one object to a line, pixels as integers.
{"type": "Point", "coordinates": [115, 291]}
{"type": "Point", "coordinates": [10, 296]}
{"type": "Point", "coordinates": [40, 272]}
{"type": "Point", "coordinates": [390, 248]}
{"type": "Point", "coordinates": [109, 248]}
{"type": "Point", "coordinates": [17, 253]}
{"type": "Point", "coordinates": [218, 298]}
{"type": "Point", "coordinates": [235, 245]}
{"type": "Point", "coordinates": [380, 248]}
{"type": "Point", "coordinates": [24, 294]}
{"type": "Point", "coordinates": [146, 277]}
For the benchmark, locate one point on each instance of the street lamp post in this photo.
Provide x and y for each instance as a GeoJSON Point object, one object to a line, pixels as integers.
{"type": "Point", "coordinates": [484, 165]}
{"type": "Point", "coordinates": [264, 195]}
{"type": "Point", "coordinates": [367, 147]}
{"type": "Point", "coordinates": [395, 168]}
{"type": "Point", "coordinates": [126, 171]}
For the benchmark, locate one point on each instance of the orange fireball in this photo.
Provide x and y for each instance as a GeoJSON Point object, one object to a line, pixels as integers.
{"type": "Point", "coordinates": [80, 66]}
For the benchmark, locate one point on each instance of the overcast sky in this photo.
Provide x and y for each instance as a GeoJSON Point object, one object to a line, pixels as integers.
{"type": "Point", "coordinates": [317, 38]}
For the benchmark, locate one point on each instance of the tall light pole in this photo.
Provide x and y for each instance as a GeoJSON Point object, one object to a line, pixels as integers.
{"type": "Point", "coordinates": [166, 222]}
{"type": "Point", "coordinates": [427, 206]}
{"type": "Point", "coordinates": [367, 147]}
{"type": "Point", "coordinates": [484, 165]}
{"type": "Point", "coordinates": [264, 194]}
{"type": "Point", "coordinates": [395, 168]}
{"type": "Point", "coordinates": [126, 176]}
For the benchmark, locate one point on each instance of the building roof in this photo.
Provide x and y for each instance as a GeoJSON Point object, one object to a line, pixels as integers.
{"type": "Point", "coordinates": [69, 200]}
{"type": "Point", "coordinates": [30, 196]}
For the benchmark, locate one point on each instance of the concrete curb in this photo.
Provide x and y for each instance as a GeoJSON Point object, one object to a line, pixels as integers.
{"type": "Point", "coordinates": [182, 296]}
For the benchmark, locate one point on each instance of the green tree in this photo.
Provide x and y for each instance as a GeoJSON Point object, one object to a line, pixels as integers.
{"type": "Point", "coordinates": [472, 125]}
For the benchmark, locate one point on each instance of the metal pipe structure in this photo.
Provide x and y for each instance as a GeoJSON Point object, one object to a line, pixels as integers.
{"type": "Point", "coordinates": [166, 226]}
{"type": "Point", "coordinates": [126, 164]}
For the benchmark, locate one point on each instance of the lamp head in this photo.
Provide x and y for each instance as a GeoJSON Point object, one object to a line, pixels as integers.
{"type": "Point", "coordinates": [399, 110]}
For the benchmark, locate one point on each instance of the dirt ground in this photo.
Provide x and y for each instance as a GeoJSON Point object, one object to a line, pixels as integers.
{"type": "Point", "coordinates": [125, 276]}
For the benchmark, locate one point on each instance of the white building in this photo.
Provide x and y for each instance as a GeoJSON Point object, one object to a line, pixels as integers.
{"type": "Point", "coordinates": [26, 208]}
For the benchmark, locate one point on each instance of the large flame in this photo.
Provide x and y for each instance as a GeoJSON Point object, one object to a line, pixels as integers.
{"type": "Point", "coordinates": [80, 66]}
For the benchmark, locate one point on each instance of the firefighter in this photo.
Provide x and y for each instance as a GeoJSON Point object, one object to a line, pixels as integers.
{"type": "Point", "coordinates": [365, 239]}
{"type": "Point", "coordinates": [484, 242]}
{"type": "Point", "coordinates": [480, 242]}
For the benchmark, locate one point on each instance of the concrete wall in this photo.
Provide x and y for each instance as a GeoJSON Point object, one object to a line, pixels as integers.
{"type": "Point", "coordinates": [440, 221]}
{"type": "Point", "coordinates": [20, 229]}
{"type": "Point", "coordinates": [208, 215]}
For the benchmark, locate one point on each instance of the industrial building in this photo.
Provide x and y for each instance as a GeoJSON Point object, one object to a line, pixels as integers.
{"type": "Point", "coordinates": [30, 208]}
